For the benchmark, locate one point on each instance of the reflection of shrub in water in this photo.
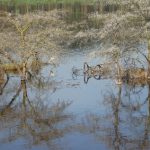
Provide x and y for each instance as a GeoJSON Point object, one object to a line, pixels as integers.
{"type": "Point", "coordinates": [118, 126]}
{"type": "Point", "coordinates": [36, 121]}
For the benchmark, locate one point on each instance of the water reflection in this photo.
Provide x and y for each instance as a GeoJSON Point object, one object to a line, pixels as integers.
{"type": "Point", "coordinates": [87, 77]}
{"type": "Point", "coordinates": [32, 120]}
{"type": "Point", "coordinates": [3, 82]}
{"type": "Point", "coordinates": [97, 72]}
{"type": "Point", "coordinates": [89, 72]}
{"type": "Point", "coordinates": [29, 109]}
{"type": "Point", "coordinates": [126, 124]}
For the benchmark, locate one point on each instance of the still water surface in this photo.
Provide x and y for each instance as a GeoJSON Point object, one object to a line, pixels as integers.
{"type": "Point", "coordinates": [63, 112]}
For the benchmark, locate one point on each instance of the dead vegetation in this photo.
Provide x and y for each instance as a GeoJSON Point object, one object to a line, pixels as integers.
{"type": "Point", "coordinates": [48, 34]}
{"type": "Point", "coordinates": [45, 31]}
{"type": "Point", "coordinates": [24, 42]}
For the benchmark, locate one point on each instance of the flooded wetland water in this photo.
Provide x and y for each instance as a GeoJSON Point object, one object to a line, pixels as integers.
{"type": "Point", "coordinates": [75, 76]}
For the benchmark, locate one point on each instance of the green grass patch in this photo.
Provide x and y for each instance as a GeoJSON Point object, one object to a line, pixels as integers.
{"type": "Point", "coordinates": [23, 6]}
{"type": "Point", "coordinates": [38, 2]}
{"type": "Point", "coordinates": [35, 2]}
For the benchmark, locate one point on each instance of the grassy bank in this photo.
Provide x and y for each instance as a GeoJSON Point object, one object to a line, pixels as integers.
{"type": "Point", "coordinates": [75, 7]}
{"type": "Point", "coordinates": [35, 2]}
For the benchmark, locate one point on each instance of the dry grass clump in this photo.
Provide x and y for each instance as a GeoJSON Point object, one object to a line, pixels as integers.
{"type": "Point", "coordinates": [85, 38]}
{"type": "Point", "coordinates": [44, 31]}
{"type": "Point", "coordinates": [49, 31]}
{"type": "Point", "coordinates": [122, 27]}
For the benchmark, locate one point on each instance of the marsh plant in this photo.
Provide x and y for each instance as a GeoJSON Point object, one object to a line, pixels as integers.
{"type": "Point", "coordinates": [22, 49]}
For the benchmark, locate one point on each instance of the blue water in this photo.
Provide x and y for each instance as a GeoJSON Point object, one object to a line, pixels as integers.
{"type": "Point", "coordinates": [98, 116]}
